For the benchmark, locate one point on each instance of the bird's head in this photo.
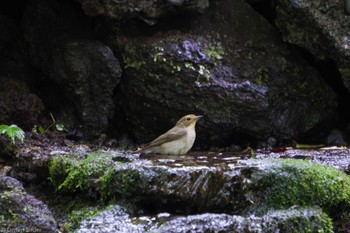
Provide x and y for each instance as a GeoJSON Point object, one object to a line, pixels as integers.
{"type": "Point", "coordinates": [188, 120]}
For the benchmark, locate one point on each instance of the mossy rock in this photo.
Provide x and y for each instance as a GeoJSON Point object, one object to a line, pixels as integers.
{"type": "Point", "coordinates": [255, 187]}
{"type": "Point", "coordinates": [22, 212]}
{"type": "Point", "coordinates": [297, 220]}
{"type": "Point", "coordinates": [287, 221]}
{"type": "Point", "coordinates": [98, 175]}
{"type": "Point", "coordinates": [282, 184]}
{"type": "Point", "coordinates": [59, 168]}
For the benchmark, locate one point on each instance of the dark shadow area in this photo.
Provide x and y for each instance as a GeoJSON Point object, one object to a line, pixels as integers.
{"type": "Point", "coordinates": [264, 7]}
{"type": "Point", "coordinates": [13, 9]}
{"type": "Point", "coordinates": [330, 74]}
{"type": "Point", "coordinates": [138, 27]}
{"type": "Point", "coordinates": [227, 139]}
{"type": "Point", "coordinates": [56, 101]}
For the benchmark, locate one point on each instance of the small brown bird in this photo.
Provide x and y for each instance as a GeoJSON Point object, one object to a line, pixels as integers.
{"type": "Point", "coordinates": [177, 141]}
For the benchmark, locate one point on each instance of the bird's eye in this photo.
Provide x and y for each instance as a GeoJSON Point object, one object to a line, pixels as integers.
{"type": "Point", "coordinates": [188, 118]}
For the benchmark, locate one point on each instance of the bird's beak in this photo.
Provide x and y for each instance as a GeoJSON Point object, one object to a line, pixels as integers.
{"type": "Point", "coordinates": [198, 117]}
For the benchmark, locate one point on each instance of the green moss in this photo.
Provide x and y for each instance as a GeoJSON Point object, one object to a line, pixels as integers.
{"type": "Point", "coordinates": [204, 72]}
{"type": "Point", "coordinates": [300, 183]}
{"type": "Point", "coordinates": [13, 216]}
{"type": "Point", "coordinates": [158, 54]}
{"type": "Point", "coordinates": [263, 75]}
{"type": "Point", "coordinates": [130, 58]}
{"type": "Point", "coordinates": [76, 216]}
{"type": "Point", "coordinates": [121, 183]}
{"type": "Point", "coordinates": [66, 208]}
{"type": "Point", "coordinates": [130, 63]}
{"type": "Point", "coordinates": [59, 168]}
{"type": "Point", "coordinates": [99, 175]}
{"type": "Point", "coordinates": [8, 215]}
{"type": "Point", "coordinates": [297, 220]}
{"type": "Point", "coordinates": [68, 172]}
{"type": "Point", "coordinates": [250, 43]}
{"type": "Point", "coordinates": [70, 210]}
{"type": "Point", "coordinates": [214, 52]}
{"type": "Point", "coordinates": [189, 65]}
{"type": "Point", "coordinates": [156, 77]}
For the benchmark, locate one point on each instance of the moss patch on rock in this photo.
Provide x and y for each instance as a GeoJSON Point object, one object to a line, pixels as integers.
{"type": "Point", "coordinates": [71, 209]}
{"type": "Point", "coordinates": [282, 184]}
{"type": "Point", "coordinates": [262, 185]}
{"type": "Point", "coordinates": [287, 221]}
{"type": "Point", "coordinates": [96, 181]}
{"type": "Point", "coordinates": [297, 220]}
{"type": "Point", "coordinates": [20, 211]}
{"type": "Point", "coordinates": [98, 175]}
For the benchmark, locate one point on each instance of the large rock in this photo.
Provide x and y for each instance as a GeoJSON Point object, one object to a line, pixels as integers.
{"type": "Point", "coordinates": [300, 220]}
{"type": "Point", "coordinates": [147, 10]}
{"type": "Point", "coordinates": [18, 105]}
{"type": "Point", "coordinates": [199, 185]}
{"type": "Point", "coordinates": [322, 27]}
{"type": "Point", "coordinates": [21, 212]}
{"type": "Point", "coordinates": [83, 72]}
{"type": "Point", "coordinates": [228, 65]}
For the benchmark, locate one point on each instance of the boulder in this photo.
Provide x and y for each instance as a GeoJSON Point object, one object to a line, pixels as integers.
{"type": "Point", "coordinates": [321, 27]}
{"type": "Point", "coordinates": [229, 65]}
{"type": "Point", "coordinates": [196, 185]}
{"type": "Point", "coordinates": [116, 219]}
{"type": "Point", "coordinates": [21, 212]}
{"type": "Point", "coordinates": [18, 105]}
{"type": "Point", "coordinates": [145, 9]}
{"type": "Point", "coordinates": [81, 72]}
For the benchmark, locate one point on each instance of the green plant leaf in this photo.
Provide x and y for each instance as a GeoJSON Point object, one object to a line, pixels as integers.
{"type": "Point", "coordinates": [3, 128]}
{"type": "Point", "coordinates": [41, 130]}
{"type": "Point", "coordinates": [13, 131]}
{"type": "Point", "coordinates": [60, 127]}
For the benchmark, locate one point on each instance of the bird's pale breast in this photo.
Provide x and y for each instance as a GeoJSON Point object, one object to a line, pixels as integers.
{"type": "Point", "coordinates": [181, 145]}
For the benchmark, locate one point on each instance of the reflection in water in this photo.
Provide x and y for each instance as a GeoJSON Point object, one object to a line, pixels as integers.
{"type": "Point", "coordinates": [198, 158]}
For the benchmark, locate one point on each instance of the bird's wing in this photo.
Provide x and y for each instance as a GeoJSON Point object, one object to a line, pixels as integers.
{"type": "Point", "coordinates": [173, 134]}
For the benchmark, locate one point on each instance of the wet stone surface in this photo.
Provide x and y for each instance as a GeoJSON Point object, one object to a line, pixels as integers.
{"type": "Point", "coordinates": [116, 220]}
{"type": "Point", "coordinates": [202, 187]}
{"type": "Point", "coordinates": [335, 157]}
{"type": "Point", "coordinates": [202, 191]}
{"type": "Point", "coordinates": [207, 159]}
